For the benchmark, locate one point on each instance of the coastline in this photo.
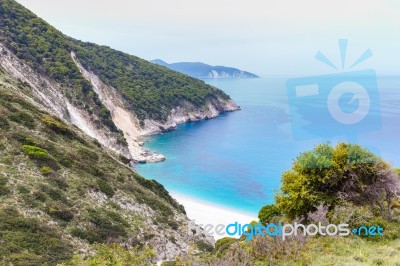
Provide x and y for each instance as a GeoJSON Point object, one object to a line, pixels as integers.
{"type": "Point", "coordinates": [204, 212]}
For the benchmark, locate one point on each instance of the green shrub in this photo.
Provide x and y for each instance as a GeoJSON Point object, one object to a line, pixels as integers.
{"type": "Point", "coordinates": [223, 244]}
{"type": "Point", "coordinates": [267, 213]}
{"type": "Point", "coordinates": [31, 141]}
{"type": "Point", "coordinates": [2, 145]}
{"type": "Point", "coordinates": [106, 228]}
{"type": "Point", "coordinates": [3, 186]}
{"type": "Point", "coordinates": [88, 155]}
{"type": "Point", "coordinates": [27, 241]}
{"type": "Point", "coordinates": [20, 137]}
{"type": "Point", "coordinates": [159, 190]}
{"type": "Point", "coordinates": [60, 211]}
{"type": "Point", "coordinates": [35, 152]}
{"type": "Point", "coordinates": [23, 190]}
{"type": "Point", "coordinates": [124, 159]}
{"type": "Point", "coordinates": [45, 170]}
{"type": "Point", "coordinates": [41, 157]}
{"type": "Point", "coordinates": [105, 188]}
{"type": "Point", "coordinates": [317, 176]}
{"type": "Point", "coordinates": [204, 246]}
{"type": "Point", "coordinates": [4, 123]}
{"type": "Point", "coordinates": [54, 193]}
{"type": "Point", "coordinates": [23, 118]}
{"type": "Point", "coordinates": [57, 126]}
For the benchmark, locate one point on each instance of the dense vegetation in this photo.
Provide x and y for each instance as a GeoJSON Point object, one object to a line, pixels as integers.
{"type": "Point", "coordinates": [341, 184]}
{"type": "Point", "coordinates": [329, 175]}
{"type": "Point", "coordinates": [150, 91]}
{"type": "Point", "coordinates": [61, 192]}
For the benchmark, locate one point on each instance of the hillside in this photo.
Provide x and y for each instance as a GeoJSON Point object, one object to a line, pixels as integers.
{"type": "Point", "coordinates": [204, 71]}
{"type": "Point", "coordinates": [61, 192]}
{"type": "Point", "coordinates": [111, 96]}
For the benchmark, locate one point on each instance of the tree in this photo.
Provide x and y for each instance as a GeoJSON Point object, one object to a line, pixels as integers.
{"type": "Point", "coordinates": [267, 213]}
{"type": "Point", "coordinates": [327, 175]}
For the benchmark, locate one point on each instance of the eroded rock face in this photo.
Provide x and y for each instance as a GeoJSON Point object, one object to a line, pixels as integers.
{"type": "Point", "coordinates": [129, 124]}
{"type": "Point", "coordinates": [49, 94]}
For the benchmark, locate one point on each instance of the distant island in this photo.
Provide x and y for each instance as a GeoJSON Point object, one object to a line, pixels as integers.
{"type": "Point", "coordinates": [203, 71]}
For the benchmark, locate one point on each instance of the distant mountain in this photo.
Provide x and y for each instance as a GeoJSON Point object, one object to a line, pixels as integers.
{"type": "Point", "coordinates": [204, 71]}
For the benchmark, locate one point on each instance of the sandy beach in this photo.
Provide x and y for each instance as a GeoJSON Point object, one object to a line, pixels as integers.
{"type": "Point", "coordinates": [203, 212]}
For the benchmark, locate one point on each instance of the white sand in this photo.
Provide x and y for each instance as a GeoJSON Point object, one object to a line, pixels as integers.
{"type": "Point", "coordinates": [203, 212]}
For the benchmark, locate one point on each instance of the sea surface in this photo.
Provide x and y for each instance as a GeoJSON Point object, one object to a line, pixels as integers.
{"type": "Point", "coordinates": [237, 159]}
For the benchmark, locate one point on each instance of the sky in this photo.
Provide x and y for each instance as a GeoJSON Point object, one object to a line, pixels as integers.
{"type": "Point", "coordinates": [268, 38]}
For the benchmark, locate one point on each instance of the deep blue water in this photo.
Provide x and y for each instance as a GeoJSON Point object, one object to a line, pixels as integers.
{"type": "Point", "coordinates": [237, 159]}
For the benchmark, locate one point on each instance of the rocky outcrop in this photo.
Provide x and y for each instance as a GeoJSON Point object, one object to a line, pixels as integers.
{"type": "Point", "coordinates": [125, 120]}
{"type": "Point", "coordinates": [51, 98]}
{"type": "Point", "coordinates": [129, 124]}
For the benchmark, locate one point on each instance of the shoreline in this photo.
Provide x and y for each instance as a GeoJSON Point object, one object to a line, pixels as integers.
{"type": "Point", "coordinates": [204, 212]}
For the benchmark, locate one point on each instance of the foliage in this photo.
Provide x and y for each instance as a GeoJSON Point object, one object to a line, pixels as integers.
{"type": "Point", "coordinates": [23, 118]}
{"type": "Point", "coordinates": [105, 187]}
{"type": "Point", "coordinates": [3, 186]}
{"type": "Point", "coordinates": [60, 211]}
{"type": "Point", "coordinates": [158, 189]}
{"type": "Point", "coordinates": [151, 91]}
{"type": "Point", "coordinates": [69, 217]}
{"type": "Point", "coordinates": [203, 245]}
{"type": "Point", "coordinates": [223, 244]}
{"type": "Point", "coordinates": [56, 125]}
{"type": "Point", "coordinates": [45, 170]}
{"type": "Point", "coordinates": [26, 241]}
{"type": "Point", "coordinates": [41, 156]}
{"type": "Point", "coordinates": [108, 227]}
{"type": "Point", "coordinates": [328, 174]}
{"type": "Point", "coordinates": [4, 124]}
{"type": "Point", "coordinates": [115, 255]}
{"type": "Point", "coordinates": [35, 152]}
{"type": "Point", "coordinates": [267, 213]}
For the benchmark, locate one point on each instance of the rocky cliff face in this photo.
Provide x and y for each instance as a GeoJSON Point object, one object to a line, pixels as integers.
{"type": "Point", "coordinates": [69, 121]}
{"type": "Point", "coordinates": [51, 97]}
{"type": "Point", "coordinates": [60, 178]}
{"type": "Point", "coordinates": [50, 94]}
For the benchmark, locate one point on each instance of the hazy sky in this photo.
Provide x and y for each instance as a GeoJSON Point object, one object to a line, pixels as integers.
{"type": "Point", "coordinates": [262, 36]}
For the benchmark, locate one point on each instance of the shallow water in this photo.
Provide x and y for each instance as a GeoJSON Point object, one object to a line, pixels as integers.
{"type": "Point", "coordinates": [236, 160]}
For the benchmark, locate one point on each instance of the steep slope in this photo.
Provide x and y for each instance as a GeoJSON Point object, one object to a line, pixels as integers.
{"type": "Point", "coordinates": [204, 71]}
{"type": "Point", "coordinates": [60, 191]}
{"type": "Point", "coordinates": [99, 89]}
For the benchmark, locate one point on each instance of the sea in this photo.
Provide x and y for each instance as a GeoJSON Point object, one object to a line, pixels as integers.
{"type": "Point", "coordinates": [237, 159]}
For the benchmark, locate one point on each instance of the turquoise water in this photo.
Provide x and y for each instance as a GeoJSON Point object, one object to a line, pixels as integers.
{"type": "Point", "coordinates": [236, 160]}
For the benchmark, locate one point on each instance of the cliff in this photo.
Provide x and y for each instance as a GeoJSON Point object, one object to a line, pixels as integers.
{"type": "Point", "coordinates": [113, 97]}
